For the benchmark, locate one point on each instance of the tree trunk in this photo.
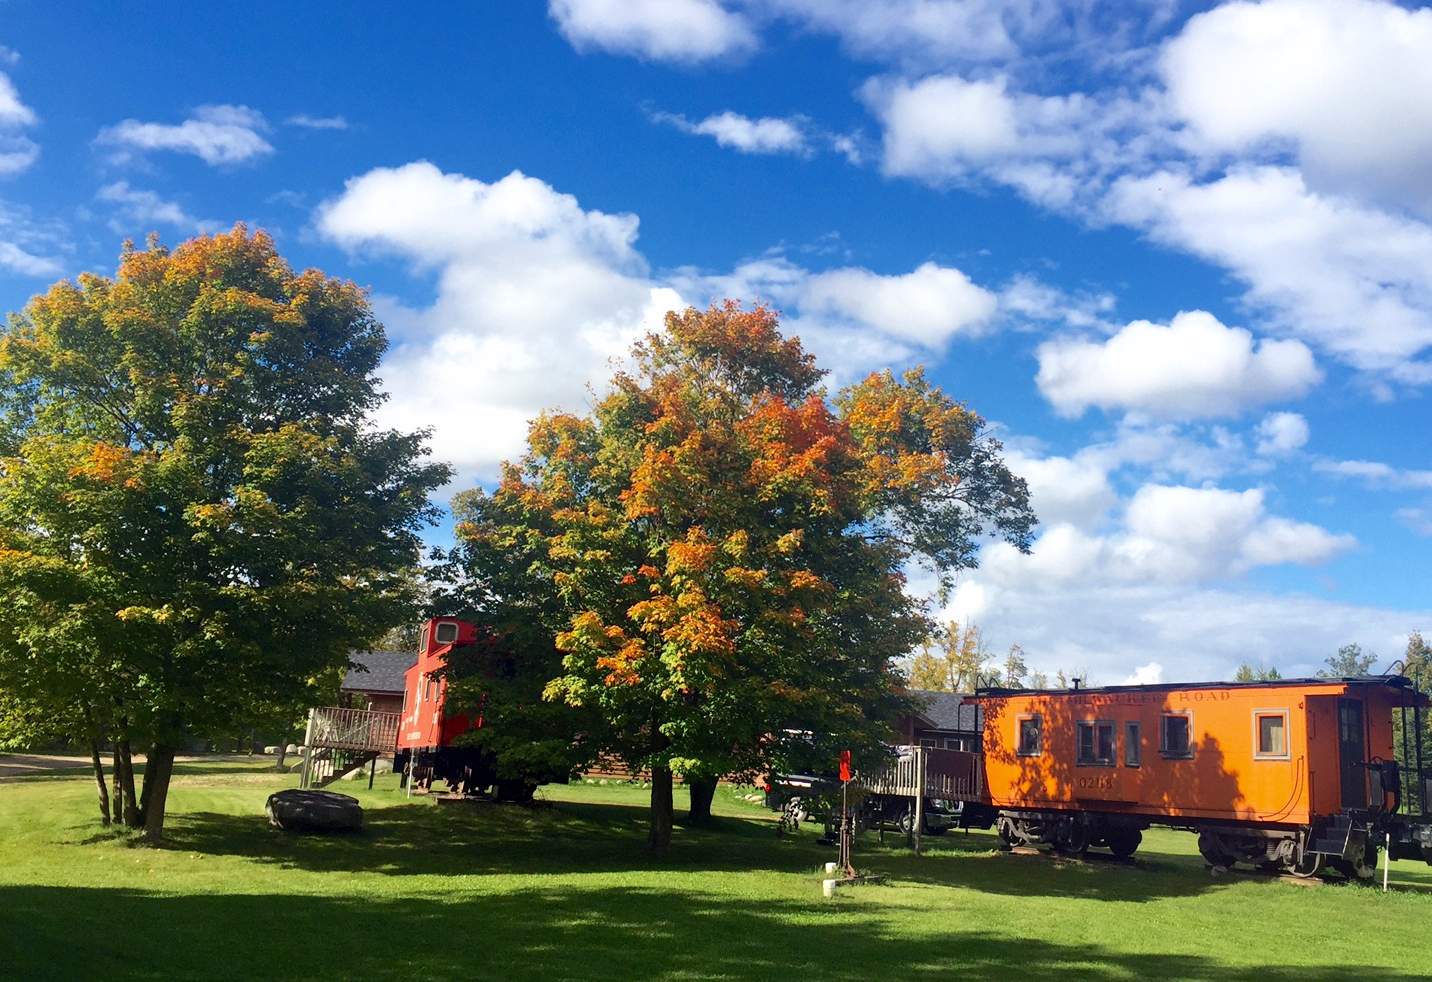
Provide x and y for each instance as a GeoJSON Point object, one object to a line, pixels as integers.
{"type": "Point", "coordinates": [157, 772]}
{"type": "Point", "coordinates": [99, 780]}
{"type": "Point", "coordinates": [116, 795]}
{"type": "Point", "coordinates": [661, 810]}
{"type": "Point", "coordinates": [703, 790]}
{"type": "Point", "coordinates": [131, 804]}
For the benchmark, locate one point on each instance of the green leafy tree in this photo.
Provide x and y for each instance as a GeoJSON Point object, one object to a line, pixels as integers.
{"type": "Point", "coordinates": [1014, 667]}
{"type": "Point", "coordinates": [719, 549]}
{"type": "Point", "coordinates": [197, 519]}
{"type": "Point", "coordinates": [1349, 662]}
{"type": "Point", "coordinates": [1250, 673]}
{"type": "Point", "coordinates": [954, 659]}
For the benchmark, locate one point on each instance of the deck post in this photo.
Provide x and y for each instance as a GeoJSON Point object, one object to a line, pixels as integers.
{"type": "Point", "coordinates": [306, 774]}
{"type": "Point", "coordinates": [919, 795]}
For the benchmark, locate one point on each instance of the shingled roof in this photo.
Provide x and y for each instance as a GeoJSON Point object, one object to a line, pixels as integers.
{"type": "Point", "coordinates": [943, 711]}
{"type": "Point", "coordinates": [377, 671]}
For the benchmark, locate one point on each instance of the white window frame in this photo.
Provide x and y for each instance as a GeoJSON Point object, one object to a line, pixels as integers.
{"type": "Point", "coordinates": [1258, 753]}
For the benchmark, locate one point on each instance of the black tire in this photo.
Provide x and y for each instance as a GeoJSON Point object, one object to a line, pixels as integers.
{"type": "Point", "coordinates": [1214, 851]}
{"type": "Point", "coordinates": [1073, 838]}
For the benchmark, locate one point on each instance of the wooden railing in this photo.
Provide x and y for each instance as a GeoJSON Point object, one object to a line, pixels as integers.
{"type": "Point", "coordinates": [951, 775]}
{"type": "Point", "coordinates": [353, 729]}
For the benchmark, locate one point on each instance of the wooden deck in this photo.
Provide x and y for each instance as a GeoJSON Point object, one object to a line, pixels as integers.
{"type": "Point", "coordinates": [949, 775]}
{"type": "Point", "coordinates": [353, 729]}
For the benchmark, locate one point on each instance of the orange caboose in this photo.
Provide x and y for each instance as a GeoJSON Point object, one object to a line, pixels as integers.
{"type": "Point", "coordinates": [1293, 773]}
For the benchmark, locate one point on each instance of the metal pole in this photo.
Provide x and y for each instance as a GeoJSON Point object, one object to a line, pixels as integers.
{"type": "Point", "coordinates": [1386, 862]}
{"type": "Point", "coordinates": [372, 772]}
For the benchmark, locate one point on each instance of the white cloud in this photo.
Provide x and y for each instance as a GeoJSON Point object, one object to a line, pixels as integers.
{"type": "Point", "coordinates": [139, 207]}
{"type": "Point", "coordinates": [9, 56]}
{"type": "Point", "coordinates": [1355, 280]}
{"type": "Point", "coordinates": [19, 260]}
{"type": "Point", "coordinates": [662, 30]}
{"type": "Point", "coordinates": [1332, 81]}
{"type": "Point", "coordinates": [1065, 490]}
{"type": "Point", "coordinates": [1148, 595]}
{"type": "Point", "coordinates": [17, 151]}
{"type": "Point", "coordinates": [318, 122]}
{"type": "Point", "coordinates": [927, 306]}
{"type": "Point", "coordinates": [1195, 633]}
{"type": "Point", "coordinates": [1169, 534]}
{"type": "Point", "coordinates": [1376, 474]}
{"type": "Point", "coordinates": [13, 112]}
{"type": "Point", "coordinates": [1151, 673]}
{"type": "Point", "coordinates": [1281, 433]}
{"type": "Point", "coordinates": [534, 295]}
{"type": "Point", "coordinates": [1192, 367]}
{"type": "Point", "coordinates": [1418, 520]}
{"type": "Point", "coordinates": [216, 134]}
{"type": "Point", "coordinates": [766, 135]}
{"type": "Point", "coordinates": [916, 31]}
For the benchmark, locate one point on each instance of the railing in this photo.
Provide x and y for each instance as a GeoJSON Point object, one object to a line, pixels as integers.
{"type": "Point", "coordinates": [951, 775]}
{"type": "Point", "coordinates": [353, 729]}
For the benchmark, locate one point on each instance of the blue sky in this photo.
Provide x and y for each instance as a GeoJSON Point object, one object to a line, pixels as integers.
{"type": "Point", "coordinates": [1181, 256]}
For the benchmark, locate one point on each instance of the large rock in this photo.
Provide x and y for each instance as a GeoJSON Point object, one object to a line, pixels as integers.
{"type": "Point", "coordinates": [296, 810]}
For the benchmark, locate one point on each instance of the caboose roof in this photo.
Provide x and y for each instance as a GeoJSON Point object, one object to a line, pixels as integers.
{"type": "Point", "coordinates": [1395, 681]}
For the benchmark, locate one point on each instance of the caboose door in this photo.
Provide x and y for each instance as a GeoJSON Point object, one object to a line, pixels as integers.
{"type": "Point", "coordinates": [1352, 753]}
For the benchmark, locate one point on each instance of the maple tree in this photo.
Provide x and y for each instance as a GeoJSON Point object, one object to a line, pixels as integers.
{"type": "Point", "coordinates": [197, 520]}
{"type": "Point", "coordinates": [717, 551]}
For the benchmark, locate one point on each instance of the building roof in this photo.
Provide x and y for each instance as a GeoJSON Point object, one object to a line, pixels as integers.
{"type": "Point", "coordinates": [377, 671]}
{"type": "Point", "coordinates": [947, 711]}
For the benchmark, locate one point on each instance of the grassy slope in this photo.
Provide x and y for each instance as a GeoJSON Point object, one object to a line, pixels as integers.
{"type": "Point", "coordinates": [565, 891]}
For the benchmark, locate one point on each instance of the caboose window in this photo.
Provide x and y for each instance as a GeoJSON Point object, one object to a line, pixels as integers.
{"type": "Point", "coordinates": [1031, 736]}
{"type": "Point", "coordinates": [1131, 745]}
{"type": "Point", "coordinates": [1174, 740]}
{"type": "Point", "coordinates": [1096, 743]}
{"type": "Point", "coordinates": [1271, 731]}
{"type": "Point", "coordinates": [445, 632]}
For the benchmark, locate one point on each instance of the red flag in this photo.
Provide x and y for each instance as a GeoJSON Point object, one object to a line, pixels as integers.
{"type": "Point", "coordinates": [844, 766]}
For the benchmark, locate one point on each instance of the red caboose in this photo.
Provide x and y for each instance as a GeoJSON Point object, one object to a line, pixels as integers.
{"type": "Point", "coordinates": [425, 726]}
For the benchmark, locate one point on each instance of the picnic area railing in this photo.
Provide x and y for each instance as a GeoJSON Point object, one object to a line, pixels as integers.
{"type": "Point", "coordinates": [928, 772]}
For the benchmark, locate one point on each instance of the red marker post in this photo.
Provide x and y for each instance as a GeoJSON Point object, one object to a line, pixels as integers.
{"type": "Point", "coordinates": [847, 827]}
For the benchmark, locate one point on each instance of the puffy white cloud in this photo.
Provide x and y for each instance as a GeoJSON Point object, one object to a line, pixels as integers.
{"type": "Point", "coordinates": [534, 295]}
{"type": "Point", "coordinates": [662, 30]}
{"type": "Point", "coordinates": [1170, 534]}
{"type": "Point", "coordinates": [1192, 367]}
{"type": "Point", "coordinates": [13, 112]}
{"type": "Point", "coordinates": [1331, 79]}
{"type": "Point", "coordinates": [1281, 433]}
{"type": "Point", "coordinates": [927, 306]}
{"type": "Point", "coordinates": [918, 31]}
{"type": "Point", "coordinates": [17, 151]}
{"type": "Point", "coordinates": [20, 260]}
{"type": "Point", "coordinates": [1153, 592]}
{"type": "Point", "coordinates": [138, 207]}
{"type": "Point", "coordinates": [1357, 281]}
{"type": "Point", "coordinates": [1195, 633]}
{"type": "Point", "coordinates": [1151, 673]}
{"type": "Point", "coordinates": [219, 134]}
{"type": "Point", "coordinates": [1065, 490]}
{"type": "Point", "coordinates": [768, 134]}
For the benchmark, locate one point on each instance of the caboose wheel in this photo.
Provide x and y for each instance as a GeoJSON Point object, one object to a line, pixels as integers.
{"type": "Point", "coordinates": [1124, 842]}
{"type": "Point", "coordinates": [1072, 837]}
{"type": "Point", "coordinates": [1214, 850]}
{"type": "Point", "coordinates": [1309, 865]}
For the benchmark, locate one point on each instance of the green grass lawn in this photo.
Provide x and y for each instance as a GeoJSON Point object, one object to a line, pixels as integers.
{"type": "Point", "coordinates": [564, 890]}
